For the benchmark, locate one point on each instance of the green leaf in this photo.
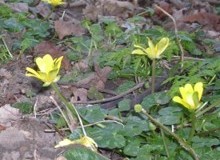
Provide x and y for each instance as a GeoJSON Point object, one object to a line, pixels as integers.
{"type": "Point", "coordinates": [24, 107]}
{"type": "Point", "coordinates": [92, 114]}
{"type": "Point", "coordinates": [125, 86]}
{"type": "Point", "coordinates": [108, 137]}
{"type": "Point", "coordinates": [170, 115]}
{"type": "Point", "coordinates": [124, 105]}
{"type": "Point", "coordinates": [169, 119]}
{"type": "Point", "coordinates": [96, 32]}
{"type": "Point", "coordinates": [169, 110]}
{"type": "Point", "coordinates": [204, 142]}
{"type": "Point", "coordinates": [159, 98]}
{"type": "Point", "coordinates": [13, 25]}
{"type": "Point", "coordinates": [133, 146]}
{"type": "Point", "coordinates": [78, 152]}
{"type": "Point", "coordinates": [134, 126]}
{"type": "Point", "coordinates": [94, 94]}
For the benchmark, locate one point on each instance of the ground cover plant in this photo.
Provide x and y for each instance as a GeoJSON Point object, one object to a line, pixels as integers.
{"type": "Point", "coordinates": [119, 80]}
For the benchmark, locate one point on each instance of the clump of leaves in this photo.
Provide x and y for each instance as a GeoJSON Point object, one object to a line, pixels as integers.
{"type": "Point", "coordinates": [24, 107]}
{"type": "Point", "coordinates": [204, 70]}
{"type": "Point", "coordinates": [4, 55]}
{"type": "Point", "coordinates": [35, 29]}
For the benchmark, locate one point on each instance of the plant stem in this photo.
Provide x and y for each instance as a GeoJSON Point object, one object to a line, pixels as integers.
{"type": "Point", "coordinates": [164, 143]}
{"type": "Point", "coordinates": [6, 47]}
{"type": "Point", "coordinates": [182, 143]}
{"type": "Point", "coordinates": [69, 106]}
{"type": "Point", "coordinates": [193, 126]}
{"type": "Point", "coordinates": [153, 75]}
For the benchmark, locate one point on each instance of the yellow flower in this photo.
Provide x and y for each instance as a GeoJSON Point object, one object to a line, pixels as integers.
{"type": "Point", "coordinates": [190, 96]}
{"type": "Point", "coordinates": [85, 141]}
{"type": "Point", "coordinates": [48, 69]}
{"type": "Point", "coordinates": [153, 51]}
{"type": "Point", "coordinates": [54, 2]}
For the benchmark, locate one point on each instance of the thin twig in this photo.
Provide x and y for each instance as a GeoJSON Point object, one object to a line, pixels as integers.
{"type": "Point", "coordinates": [176, 33]}
{"type": "Point", "coordinates": [112, 98]}
{"type": "Point", "coordinates": [35, 106]}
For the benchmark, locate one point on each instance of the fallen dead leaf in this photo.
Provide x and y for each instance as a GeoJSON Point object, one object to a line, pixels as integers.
{"type": "Point", "coordinates": [205, 19]}
{"type": "Point", "coordinates": [64, 28]}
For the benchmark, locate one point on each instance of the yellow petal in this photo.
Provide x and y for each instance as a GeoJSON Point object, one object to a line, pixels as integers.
{"type": "Point", "coordinates": [189, 99]}
{"type": "Point", "coordinates": [186, 90]}
{"type": "Point", "coordinates": [151, 53]}
{"type": "Point", "coordinates": [181, 101]}
{"type": "Point", "coordinates": [41, 64]}
{"type": "Point", "coordinates": [151, 50]}
{"type": "Point", "coordinates": [64, 143]}
{"type": "Point", "coordinates": [88, 142]}
{"type": "Point", "coordinates": [54, 2]}
{"type": "Point", "coordinates": [57, 63]}
{"type": "Point", "coordinates": [32, 72]}
{"type": "Point", "coordinates": [150, 44]}
{"type": "Point", "coordinates": [162, 45]}
{"type": "Point", "coordinates": [49, 62]}
{"type": "Point", "coordinates": [199, 88]}
{"type": "Point", "coordinates": [138, 52]}
{"type": "Point", "coordinates": [139, 47]}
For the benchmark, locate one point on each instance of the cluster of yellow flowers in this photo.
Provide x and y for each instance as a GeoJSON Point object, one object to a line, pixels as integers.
{"type": "Point", "coordinates": [48, 70]}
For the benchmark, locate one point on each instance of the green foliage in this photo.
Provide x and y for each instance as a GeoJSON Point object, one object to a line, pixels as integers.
{"type": "Point", "coordinates": [32, 31]}
{"type": "Point", "coordinates": [4, 55]}
{"type": "Point", "coordinates": [194, 71]}
{"type": "Point", "coordinates": [82, 153]}
{"type": "Point", "coordinates": [24, 107]}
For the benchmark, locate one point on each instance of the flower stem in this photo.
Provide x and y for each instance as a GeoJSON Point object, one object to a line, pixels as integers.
{"type": "Point", "coordinates": [69, 106]}
{"type": "Point", "coordinates": [182, 143]}
{"type": "Point", "coordinates": [164, 143]}
{"type": "Point", "coordinates": [153, 75]}
{"type": "Point", "coordinates": [193, 120]}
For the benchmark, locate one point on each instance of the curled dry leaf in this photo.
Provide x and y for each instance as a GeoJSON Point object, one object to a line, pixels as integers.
{"type": "Point", "coordinates": [64, 28]}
